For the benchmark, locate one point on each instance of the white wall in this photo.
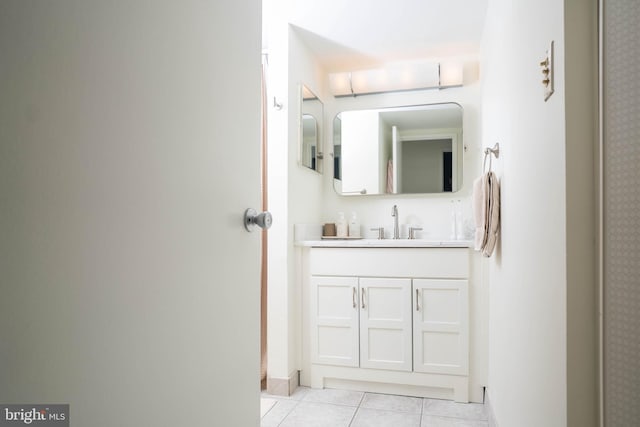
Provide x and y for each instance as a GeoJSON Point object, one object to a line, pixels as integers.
{"type": "Point", "coordinates": [129, 288]}
{"type": "Point", "coordinates": [363, 173]}
{"type": "Point", "coordinates": [294, 191]}
{"type": "Point", "coordinates": [532, 271]}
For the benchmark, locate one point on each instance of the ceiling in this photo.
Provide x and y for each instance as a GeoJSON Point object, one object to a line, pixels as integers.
{"type": "Point", "coordinates": [349, 34]}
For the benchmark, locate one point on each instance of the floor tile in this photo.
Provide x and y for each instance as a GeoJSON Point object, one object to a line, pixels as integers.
{"type": "Point", "coordinates": [278, 412]}
{"type": "Point", "coordinates": [265, 405]}
{"type": "Point", "coordinates": [380, 418]}
{"type": "Point", "coordinates": [310, 414]}
{"type": "Point", "coordinates": [447, 408]}
{"type": "Point", "coordinates": [337, 397]}
{"type": "Point", "coordinates": [433, 421]}
{"type": "Point", "coordinates": [392, 403]}
{"type": "Point", "coordinates": [299, 393]}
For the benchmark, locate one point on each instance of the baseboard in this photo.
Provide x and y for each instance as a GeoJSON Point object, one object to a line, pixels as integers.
{"type": "Point", "coordinates": [489, 409]}
{"type": "Point", "coordinates": [283, 386]}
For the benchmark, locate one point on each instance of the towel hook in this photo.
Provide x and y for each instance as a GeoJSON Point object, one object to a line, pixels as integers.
{"type": "Point", "coordinates": [488, 153]}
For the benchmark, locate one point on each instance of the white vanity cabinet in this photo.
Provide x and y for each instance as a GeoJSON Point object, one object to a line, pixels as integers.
{"type": "Point", "coordinates": [361, 322]}
{"type": "Point", "coordinates": [392, 320]}
{"type": "Point", "coordinates": [441, 326]}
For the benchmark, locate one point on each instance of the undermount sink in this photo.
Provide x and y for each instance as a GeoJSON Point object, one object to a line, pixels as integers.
{"type": "Point", "coordinates": [386, 243]}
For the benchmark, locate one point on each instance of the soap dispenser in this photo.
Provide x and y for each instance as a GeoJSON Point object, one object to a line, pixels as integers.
{"type": "Point", "coordinates": [341, 226]}
{"type": "Point", "coordinates": [354, 226]}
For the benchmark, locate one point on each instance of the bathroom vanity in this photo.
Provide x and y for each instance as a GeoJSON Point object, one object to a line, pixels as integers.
{"type": "Point", "coordinates": [393, 316]}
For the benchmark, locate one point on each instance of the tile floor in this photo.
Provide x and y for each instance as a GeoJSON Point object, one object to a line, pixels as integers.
{"type": "Point", "coordinates": [340, 408]}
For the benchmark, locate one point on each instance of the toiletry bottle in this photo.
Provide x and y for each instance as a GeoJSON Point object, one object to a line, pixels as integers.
{"type": "Point", "coordinates": [354, 226]}
{"type": "Point", "coordinates": [341, 225]}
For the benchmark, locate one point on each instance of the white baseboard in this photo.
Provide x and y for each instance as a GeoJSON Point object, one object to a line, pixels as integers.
{"type": "Point", "coordinates": [489, 409]}
{"type": "Point", "coordinates": [283, 386]}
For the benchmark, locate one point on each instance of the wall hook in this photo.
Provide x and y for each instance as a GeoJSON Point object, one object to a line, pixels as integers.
{"type": "Point", "coordinates": [495, 150]}
{"type": "Point", "coordinates": [277, 105]}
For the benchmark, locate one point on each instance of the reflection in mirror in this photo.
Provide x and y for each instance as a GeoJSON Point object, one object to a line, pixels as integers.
{"type": "Point", "coordinates": [416, 149]}
{"type": "Point", "coordinates": [310, 128]}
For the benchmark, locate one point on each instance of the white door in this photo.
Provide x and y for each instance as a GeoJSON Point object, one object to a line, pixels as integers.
{"type": "Point", "coordinates": [441, 326]}
{"type": "Point", "coordinates": [385, 323]}
{"type": "Point", "coordinates": [334, 320]}
{"type": "Point", "coordinates": [129, 150]}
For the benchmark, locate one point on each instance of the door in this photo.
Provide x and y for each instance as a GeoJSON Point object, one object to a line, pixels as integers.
{"type": "Point", "coordinates": [130, 149]}
{"type": "Point", "coordinates": [385, 323]}
{"type": "Point", "coordinates": [440, 326]}
{"type": "Point", "coordinates": [334, 320]}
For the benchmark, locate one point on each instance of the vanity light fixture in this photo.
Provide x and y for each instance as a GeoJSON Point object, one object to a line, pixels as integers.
{"type": "Point", "coordinates": [397, 77]}
{"type": "Point", "coordinates": [451, 74]}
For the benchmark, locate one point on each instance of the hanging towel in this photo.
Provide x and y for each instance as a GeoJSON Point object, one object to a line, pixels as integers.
{"type": "Point", "coordinates": [486, 212]}
{"type": "Point", "coordinates": [492, 219]}
{"type": "Point", "coordinates": [390, 176]}
{"type": "Point", "coordinates": [478, 200]}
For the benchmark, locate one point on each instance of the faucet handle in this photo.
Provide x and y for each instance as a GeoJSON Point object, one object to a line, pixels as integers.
{"type": "Point", "coordinates": [380, 231]}
{"type": "Point", "coordinates": [412, 230]}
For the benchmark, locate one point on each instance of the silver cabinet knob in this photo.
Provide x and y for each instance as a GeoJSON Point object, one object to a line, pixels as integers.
{"type": "Point", "coordinates": [253, 218]}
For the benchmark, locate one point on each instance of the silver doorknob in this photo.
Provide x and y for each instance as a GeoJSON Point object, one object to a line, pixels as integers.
{"type": "Point", "coordinates": [253, 218]}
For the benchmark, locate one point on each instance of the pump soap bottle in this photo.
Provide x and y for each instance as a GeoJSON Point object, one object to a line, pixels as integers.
{"type": "Point", "coordinates": [341, 226]}
{"type": "Point", "coordinates": [354, 226]}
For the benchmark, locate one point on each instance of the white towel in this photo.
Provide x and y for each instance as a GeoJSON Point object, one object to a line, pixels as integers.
{"type": "Point", "coordinates": [486, 209]}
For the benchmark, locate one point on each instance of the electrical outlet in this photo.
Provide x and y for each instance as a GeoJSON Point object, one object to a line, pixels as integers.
{"type": "Point", "coordinates": [547, 72]}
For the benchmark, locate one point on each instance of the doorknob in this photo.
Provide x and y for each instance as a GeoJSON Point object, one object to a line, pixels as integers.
{"type": "Point", "coordinates": [253, 218]}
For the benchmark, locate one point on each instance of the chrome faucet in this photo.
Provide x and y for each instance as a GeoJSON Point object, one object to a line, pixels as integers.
{"type": "Point", "coordinates": [396, 229]}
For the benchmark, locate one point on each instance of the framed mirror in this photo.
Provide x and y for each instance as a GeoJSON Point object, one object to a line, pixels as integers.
{"type": "Point", "coordinates": [401, 150]}
{"type": "Point", "coordinates": [311, 113]}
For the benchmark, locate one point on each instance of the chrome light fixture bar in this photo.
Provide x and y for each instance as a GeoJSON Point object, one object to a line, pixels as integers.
{"type": "Point", "coordinates": [398, 77]}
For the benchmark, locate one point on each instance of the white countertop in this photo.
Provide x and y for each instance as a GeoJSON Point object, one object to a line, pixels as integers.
{"type": "Point", "coordinates": [385, 243]}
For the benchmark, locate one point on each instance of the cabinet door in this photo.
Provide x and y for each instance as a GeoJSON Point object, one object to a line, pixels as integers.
{"type": "Point", "coordinates": [385, 324]}
{"type": "Point", "coordinates": [334, 320]}
{"type": "Point", "coordinates": [441, 326]}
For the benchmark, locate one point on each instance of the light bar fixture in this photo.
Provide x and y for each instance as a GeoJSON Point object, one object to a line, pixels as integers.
{"type": "Point", "coordinates": [397, 77]}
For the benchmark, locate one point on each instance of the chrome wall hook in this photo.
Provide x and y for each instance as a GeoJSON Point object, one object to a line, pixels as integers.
{"type": "Point", "coordinates": [490, 153]}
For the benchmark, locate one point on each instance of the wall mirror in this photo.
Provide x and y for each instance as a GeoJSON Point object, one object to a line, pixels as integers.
{"type": "Point", "coordinates": [399, 150]}
{"type": "Point", "coordinates": [310, 130]}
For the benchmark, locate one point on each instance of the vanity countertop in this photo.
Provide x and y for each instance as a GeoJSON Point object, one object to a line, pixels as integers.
{"type": "Point", "coordinates": [385, 243]}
